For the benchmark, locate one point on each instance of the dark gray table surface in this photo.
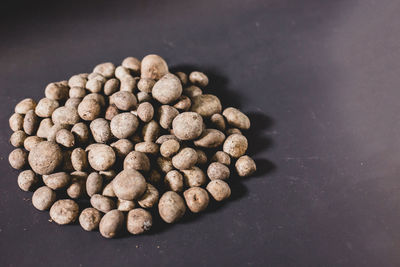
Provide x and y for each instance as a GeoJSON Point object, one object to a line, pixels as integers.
{"type": "Point", "coordinates": [320, 80]}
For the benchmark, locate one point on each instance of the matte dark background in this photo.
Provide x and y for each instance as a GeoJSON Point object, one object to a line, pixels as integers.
{"type": "Point", "coordinates": [320, 80]}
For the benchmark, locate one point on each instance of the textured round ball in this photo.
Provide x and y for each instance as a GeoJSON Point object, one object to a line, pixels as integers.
{"type": "Point", "coordinates": [64, 211]}
{"type": "Point", "coordinates": [27, 180]}
{"type": "Point", "coordinates": [101, 157]}
{"type": "Point", "coordinates": [153, 67]}
{"type": "Point", "coordinates": [198, 78]}
{"type": "Point", "coordinates": [90, 219]}
{"type": "Point", "coordinates": [196, 199]}
{"type": "Point", "coordinates": [45, 157]}
{"type": "Point", "coordinates": [31, 141]}
{"type": "Point", "coordinates": [111, 223]}
{"type": "Point", "coordinates": [136, 160]}
{"type": "Point", "coordinates": [105, 69]}
{"type": "Point", "coordinates": [222, 157]}
{"type": "Point", "coordinates": [17, 138]}
{"type": "Point", "coordinates": [16, 122]}
{"type": "Point", "coordinates": [210, 138]}
{"type": "Point", "coordinates": [25, 105]}
{"type": "Point", "coordinates": [167, 89]}
{"type": "Point", "coordinates": [124, 100]}
{"type": "Point", "coordinates": [219, 190]}
{"type": "Point", "coordinates": [65, 115]}
{"type": "Point", "coordinates": [129, 184]}
{"type": "Point", "coordinates": [174, 181]}
{"type": "Point", "coordinates": [57, 180]}
{"type": "Point", "coordinates": [185, 159]}
{"type": "Point", "coordinates": [124, 125]}
{"type": "Point", "coordinates": [18, 158]}
{"type": "Point", "coordinates": [171, 207]}
{"type": "Point", "coordinates": [187, 125]}
{"type": "Point", "coordinates": [131, 63]}
{"type": "Point", "coordinates": [149, 198]}
{"type": "Point", "coordinates": [89, 109]}
{"type": "Point", "coordinates": [206, 105]}
{"type": "Point", "coordinates": [94, 184]}
{"type": "Point", "coordinates": [46, 107]}
{"type": "Point", "coordinates": [102, 203]}
{"type": "Point", "coordinates": [169, 148]}
{"type": "Point", "coordinates": [145, 111]}
{"type": "Point", "coordinates": [139, 221]}
{"type": "Point", "coordinates": [245, 166]}
{"type": "Point", "coordinates": [235, 145]}
{"type": "Point", "coordinates": [218, 170]}
{"type": "Point", "coordinates": [43, 198]}
{"type": "Point", "coordinates": [145, 85]}
{"type": "Point", "coordinates": [236, 118]}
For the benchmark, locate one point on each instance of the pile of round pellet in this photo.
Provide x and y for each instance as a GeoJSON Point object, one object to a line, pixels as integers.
{"type": "Point", "coordinates": [134, 140]}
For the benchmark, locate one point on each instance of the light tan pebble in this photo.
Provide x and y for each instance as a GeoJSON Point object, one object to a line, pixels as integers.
{"type": "Point", "coordinates": [79, 159]}
{"type": "Point", "coordinates": [105, 69]}
{"type": "Point", "coordinates": [121, 71]}
{"type": "Point", "coordinates": [51, 132]}
{"type": "Point", "coordinates": [231, 131]}
{"type": "Point", "coordinates": [169, 148]}
{"type": "Point", "coordinates": [123, 100]}
{"type": "Point", "coordinates": [143, 97]}
{"type": "Point", "coordinates": [136, 160]}
{"type": "Point", "coordinates": [43, 198]}
{"type": "Point", "coordinates": [145, 111]}
{"type": "Point", "coordinates": [131, 63]}
{"type": "Point", "coordinates": [73, 103]}
{"type": "Point", "coordinates": [129, 184]}
{"type": "Point", "coordinates": [149, 198]}
{"type": "Point", "coordinates": [196, 199]}
{"type": "Point", "coordinates": [124, 125]}
{"type": "Point", "coordinates": [90, 219]}
{"type": "Point", "coordinates": [122, 147]}
{"type": "Point", "coordinates": [25, 105]}
{"type": "Point", "coordinates": [31, 141]}
{"type": "Point", "coordinates": [192, 91]}
{"type": "Point", "coordinates": [101, 157]}
{"type": "Point", "coordinates": [46, 107]}
{"type": "Point", "coordinates": [77, 92]}
{"type": "Point", "coordinates": [57, 91]}
{"type": "Point", "coordinates": [219, 190]}
{"type": "Point", "coordinates": [139, 221]}
{"type": "Point", "coordinates": [194, 177]}
{"type": "Point", "coordinates": [151, 131]}
{"type": "Point", "coordinates": [94, 86]}
{"type": "Point", "coordinates": [187, 125]}
{"type": "Point", "coordinates": [112, 223]}
{"type": "Point", "coordinates": [182, 76]}
{"type": "Point", "coordinates": [146, 85]}
{"type": "Point", "coordinates": [128, 84]}
{"type": "Point", "coordinates": [45, 157]}
{"type": "Point", "coordinates": [174, 181]}
{"type": "Point", "coordinates": [16, 122]}
{"type": "Point", "coordinates": [27, 180]}
{"type": "Point", "coordinates": [236, 118]}
{"type": "Point", "coordinates": [98, 97]}
{"type": "Point", "coordinates": [108, 190]}
{"type": "Point", "coordinates": [153, 67]}
{"type": "Point", "coordinates": [64, 211]}
{"type": "Point", "coordinates": [101, 131]}
{"type": "Point", "coordinates": [89, 109]}
{"type": "Point", "coordinates": [198, 78]}
{"type": "Point", "coordinates": [17, 139]}
{"type": "Point", "coordinates": [166, 115]}
{"type": "Point", "coordinates": [65, 115]}
{"type": "Point", "coordinates": [218, 121]}
{"type": "Point", "coordinates": [171, 207]}
{"type": "Point", "coordinates": [166, 137]}
{"type": "Point", "coordinates": [210, 138]}
{"type": "Point", "coordinates": [78, 183]}
{"type": "Point", "coordinates": [44, 128]}
{"type": "Point", "coordinates": [235, 145]}
{"type": "Point", "coordinates": [218, 170]}
{"type": "Point", "coordinates": [111, 112]}
{"type": "Point", "coordinates": [125, 205]}
{"type": "Point", "coordinates": [108, 175]}
{"type": "Point", "coordinates": [102, 203]}
{"type": "Point", "coordinates": [31, 122]}
{"type": "Point", "coordinates": [206, 105]}
{"type": "Point", "coordinates": [147, 147]}
{"type": "Point", "coordinates": [18, 158]}
{"type": "Point", "coordinates": [183, 103]}
{"type": "Point", "coordinates": [97, 76]}
{"type": "Point", "coordinates": [81, 133]}
{"type": "Point", "coordinates": [168, 89]}
{"type": "Point", "coordinates": [245, 166]}
{"type": "Point", "coordinates": [57, 180]}
{"type": "Point", "coordinates": [111, 86]}
{"type": "Point", "coordinates": [77, 80]}
{"type": "Point", "coordinates": [221, 157]}
{"type": "Point", "coordinates": [185, 159]}
{"type": "Point", "coordinates": [65, 138]}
